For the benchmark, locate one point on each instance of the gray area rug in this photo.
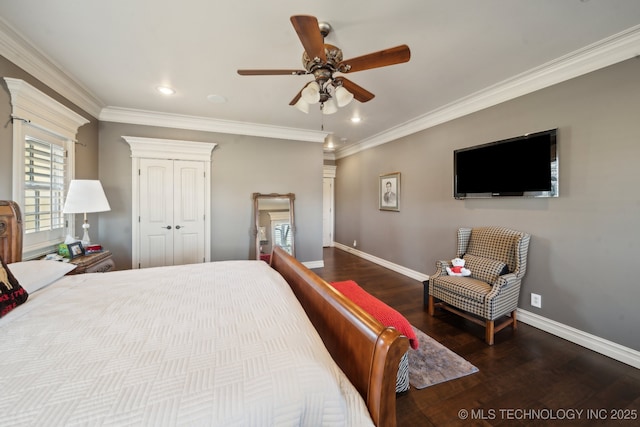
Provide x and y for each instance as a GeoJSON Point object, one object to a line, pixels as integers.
{"type": "Point", "coordinates": [432, 363]}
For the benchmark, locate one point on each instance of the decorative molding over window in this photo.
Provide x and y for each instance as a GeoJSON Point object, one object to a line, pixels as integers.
{"type": "Point", "coordinates": [34, 112]}
{"type": "Point", "coordinates": [42, 111]}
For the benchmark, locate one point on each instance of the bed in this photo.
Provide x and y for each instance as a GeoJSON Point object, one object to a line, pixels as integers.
{"type": "Point", "coordinates": [223, 343]}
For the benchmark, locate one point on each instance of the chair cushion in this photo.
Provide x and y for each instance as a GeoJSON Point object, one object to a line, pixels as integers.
{"type": "Point", "coordinates": [485, 269]}
{"type": "Point", "coordinates": [461, 288]}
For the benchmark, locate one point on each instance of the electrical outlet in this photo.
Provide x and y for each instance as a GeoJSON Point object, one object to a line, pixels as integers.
{"type": "Point", "coordinates": [536, 300]}
{"type": "Point", "coordinates": [355, 243]}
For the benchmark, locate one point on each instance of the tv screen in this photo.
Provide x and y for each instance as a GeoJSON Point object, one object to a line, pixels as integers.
{"type": "Point", "coordinates": [525, 166]}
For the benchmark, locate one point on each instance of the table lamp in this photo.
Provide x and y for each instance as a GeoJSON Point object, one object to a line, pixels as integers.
{"type": "Point", "coordinates": [85, 196]}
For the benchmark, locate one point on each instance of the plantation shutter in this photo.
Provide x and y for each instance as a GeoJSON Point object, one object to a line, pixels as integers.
{"type": "Point", "coordinates": [44, 185]}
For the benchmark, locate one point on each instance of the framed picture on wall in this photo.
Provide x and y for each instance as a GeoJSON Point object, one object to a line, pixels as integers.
{"type": "Point", "coordinates": [389, 192]}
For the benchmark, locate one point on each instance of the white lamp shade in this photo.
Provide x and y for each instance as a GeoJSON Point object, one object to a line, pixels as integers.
{"type": "Point", "coordinates": [85, 196]}
{"type": "Point", "coordinates": [302, 105]}
{"type": "Point", "coordinates": [343, 96]}
{"type": "Point", "coordinates": [329, 107]}
{"type": "Point", "coordinates": [311, 93]}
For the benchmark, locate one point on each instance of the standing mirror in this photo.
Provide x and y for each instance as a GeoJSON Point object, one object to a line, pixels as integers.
{"type": "Point", "coordinates": [274, 223]}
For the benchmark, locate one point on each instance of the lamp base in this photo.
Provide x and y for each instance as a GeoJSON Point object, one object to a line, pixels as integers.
{"type": "Point", "coordinates": [86, 241]}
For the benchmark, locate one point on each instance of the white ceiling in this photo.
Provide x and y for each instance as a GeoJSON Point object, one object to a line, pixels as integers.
{"type": "Point", "coordinates": [465, 54]}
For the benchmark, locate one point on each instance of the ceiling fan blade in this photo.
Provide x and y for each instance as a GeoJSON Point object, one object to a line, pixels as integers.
{"type": "Point", "coordinates": [297, 97]}
{"type": "Point", "coordinates": [359, 93]}
{"type": "Point", "coordinates": [309, 33]}
{"type": "Point", "coordinates": [382, 58]}
{"type": "Point", "coordinates": [271, 72]}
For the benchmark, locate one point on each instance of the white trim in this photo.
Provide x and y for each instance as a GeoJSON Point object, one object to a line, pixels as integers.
{"type": "Point", "coordinates": [43, 111]}
{"type": "Point", "coordinates": [313, 264]}
{"type": "Point", "coordinates": [23, 54]}
{"type": "Point", "coordinates": [154, 148]}
{"type": "Point", "coordinates": [153, 118]}
{"type": "Point", "coordinates": [171, 149]}
{"type": "Point", "coordinates": [384, 263]}
{"type": "Point", "coordinates": [599, 345]}
{"type": "Point", "coordinates": [609, 51]}
{"type": "Point", "coordinates": [31, 108]}
{"type": "Point", "coordinates": [279, 216]}
{"type": "Point", "coordinates": [329, 171]}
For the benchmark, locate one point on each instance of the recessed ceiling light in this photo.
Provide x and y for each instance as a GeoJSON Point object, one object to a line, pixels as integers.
{"type": "Point", "coordinates": [166, 90]}
{"type": "Point", "coordinates": [355, 119]}
{"type": "Point", "coordinates": [217, 99]}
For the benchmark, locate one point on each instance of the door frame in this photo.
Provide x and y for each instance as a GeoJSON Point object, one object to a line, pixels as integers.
{"type": "Point", "coordinates": [167, 149]}
{"type": "Point", "coordinates": [329, 173]}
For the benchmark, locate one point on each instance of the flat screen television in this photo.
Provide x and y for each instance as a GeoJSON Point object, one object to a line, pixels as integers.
{"type": "Point", "coordinates": [524, 166]}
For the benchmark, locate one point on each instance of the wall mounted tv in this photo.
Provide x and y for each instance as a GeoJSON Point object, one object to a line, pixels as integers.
{"type": "Point", "coordinates": [524, 166]}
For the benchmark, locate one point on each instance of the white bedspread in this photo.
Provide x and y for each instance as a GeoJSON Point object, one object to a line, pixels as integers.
{"type": "Point", "coordinates": [224, 344]}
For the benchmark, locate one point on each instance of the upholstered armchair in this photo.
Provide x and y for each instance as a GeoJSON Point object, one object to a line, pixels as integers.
{"type": "Point", "coordinates": [497, 259]}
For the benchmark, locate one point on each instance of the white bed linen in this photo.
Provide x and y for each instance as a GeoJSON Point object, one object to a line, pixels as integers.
{"type": "Point", "coordinates": [222, 343]}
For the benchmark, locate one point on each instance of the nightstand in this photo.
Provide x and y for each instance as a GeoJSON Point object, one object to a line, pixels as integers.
{"type": "Point", "coordinates": [98, 262]}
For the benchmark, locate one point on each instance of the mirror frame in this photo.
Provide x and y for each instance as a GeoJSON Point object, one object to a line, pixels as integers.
{"type": "Point", "coordinates": [260, 196]}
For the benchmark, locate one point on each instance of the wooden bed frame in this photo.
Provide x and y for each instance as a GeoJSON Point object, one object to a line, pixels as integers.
{"type": "Point", "coordinates": [366, 351]}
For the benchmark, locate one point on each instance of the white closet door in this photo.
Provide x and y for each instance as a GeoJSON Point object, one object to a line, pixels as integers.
{"type": "Point", "coordinates": [156, 213]}
{"type": "Point", "coordinates": [189, 212]}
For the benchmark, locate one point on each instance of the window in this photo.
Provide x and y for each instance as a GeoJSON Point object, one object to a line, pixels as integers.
{"type": "Point", "coordinates": [43, 164]}
{"type": "Point", "coordinates": [44, 184]}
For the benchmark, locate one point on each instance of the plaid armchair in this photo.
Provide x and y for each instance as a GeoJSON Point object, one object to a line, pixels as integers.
{"type": "Point", "coordinates": [497, 258]}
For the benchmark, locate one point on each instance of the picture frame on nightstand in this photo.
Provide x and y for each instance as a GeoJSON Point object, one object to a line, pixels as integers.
{"type": "Point", "coordinates": [75, 250]}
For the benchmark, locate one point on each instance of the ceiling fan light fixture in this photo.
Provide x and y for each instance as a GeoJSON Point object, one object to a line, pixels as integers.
{"type": "Point", "coordinates": [329, 106]}
{"type": "Point", "coordinates": [311, 93]}
{"type": "Point", "coordinates": [302, 105]}
{"type": "Point", "coordinates": [343, 96]}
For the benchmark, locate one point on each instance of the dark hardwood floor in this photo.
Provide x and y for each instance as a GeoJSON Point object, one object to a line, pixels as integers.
{"type": "Point", "coordinates": [528, 377]}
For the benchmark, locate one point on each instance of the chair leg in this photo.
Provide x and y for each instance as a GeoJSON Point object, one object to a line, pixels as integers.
{"type": "Point", "coordinates": [488, 337]}
{"type": "Point", "coordinates": [431, 308]}
{"type": "Point", "coordinates": [514, 320]}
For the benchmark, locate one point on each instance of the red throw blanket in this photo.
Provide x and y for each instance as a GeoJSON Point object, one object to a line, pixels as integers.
{"type": "Point", "coordinates": [379, 310]}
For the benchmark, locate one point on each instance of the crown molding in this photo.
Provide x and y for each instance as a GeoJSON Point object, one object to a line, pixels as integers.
{"type": "Point", "coordinates": [608, 51]}
{"type": "Point", "coordinates": [153, 118]}
{"type": "Point", "coordinates": [603, 53]}
{"type": "Point", "coordinates": [22, 53]}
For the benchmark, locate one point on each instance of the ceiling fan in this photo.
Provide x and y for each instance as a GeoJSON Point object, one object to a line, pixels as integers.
{"type": "Point", "coordinates": [324, 61]}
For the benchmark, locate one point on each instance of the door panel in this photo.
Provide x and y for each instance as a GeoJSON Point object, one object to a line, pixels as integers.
{"type": "Point", "coordinates": [156, 212]}
{"type": "Point", "coordinates": [189, 212]}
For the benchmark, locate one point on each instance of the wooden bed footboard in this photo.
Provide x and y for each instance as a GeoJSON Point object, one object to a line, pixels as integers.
{"type": "Point", "coordinates": [368, 352]}
{"type": "Point", "coordinates": [10, 232]}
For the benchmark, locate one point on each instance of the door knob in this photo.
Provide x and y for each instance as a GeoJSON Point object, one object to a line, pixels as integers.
{"type": "Point", "coordinates": [168, 227]}
{"type": "Point", "coordinates": [178, 227]}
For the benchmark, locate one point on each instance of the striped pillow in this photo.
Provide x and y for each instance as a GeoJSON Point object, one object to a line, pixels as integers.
{"type": "Point", "coordinates": [484, 269]}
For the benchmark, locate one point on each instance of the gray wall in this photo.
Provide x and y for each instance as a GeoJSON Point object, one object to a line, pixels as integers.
{"type": "Point", "coordinates": [584, 244]}
{"type": "Point", "coordinates": [241, 165]}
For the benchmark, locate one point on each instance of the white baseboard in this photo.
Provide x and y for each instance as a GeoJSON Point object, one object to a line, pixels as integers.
{"type": "Point", "coordinates": [599, 345]}
{"type": "Point", "coordinates": [384, 263]}
{"type": "Point", "coordinates": [313, 264]}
